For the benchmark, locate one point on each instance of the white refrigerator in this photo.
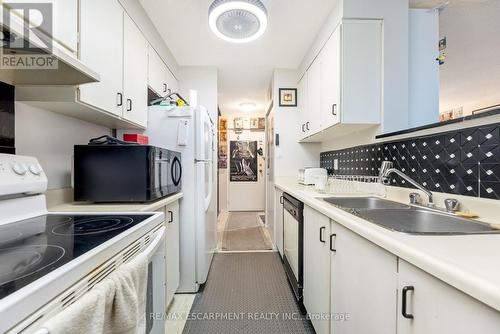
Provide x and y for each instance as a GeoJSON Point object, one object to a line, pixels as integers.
{"type": "Point", "coordinates": [191, 132]}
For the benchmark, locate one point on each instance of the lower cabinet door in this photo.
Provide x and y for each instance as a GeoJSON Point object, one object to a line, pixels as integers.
{"type": "Point", "coordinates": [317, 269]}
{"type": "Point", "coordinates": [427, 305]}
{"type": "Point", "coordinates": [172, 250]}
{"type": "Point", "coordinates": [363, 285]}
{"type": "Point", "coordinates": [278, 214]}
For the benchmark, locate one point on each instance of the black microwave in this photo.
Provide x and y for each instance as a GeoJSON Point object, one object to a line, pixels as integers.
{"type": "Point", "coordinates": [125, 173]}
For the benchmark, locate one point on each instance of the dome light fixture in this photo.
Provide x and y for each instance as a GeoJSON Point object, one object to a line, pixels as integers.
{"type": "Point", "coordinates": [237, 21]}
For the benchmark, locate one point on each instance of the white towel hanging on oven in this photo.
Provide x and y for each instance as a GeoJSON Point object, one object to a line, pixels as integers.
{"type": "Point", "coordinates": [117, 305]}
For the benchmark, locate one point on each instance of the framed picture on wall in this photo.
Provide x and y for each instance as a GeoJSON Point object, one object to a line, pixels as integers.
{"type": "Point", "coordinates": [243, 161]}
{"type": "Point", "coordinates": [288, 97]}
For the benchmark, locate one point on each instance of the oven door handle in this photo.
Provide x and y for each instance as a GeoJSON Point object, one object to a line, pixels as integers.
{"type": "Point", "coordinates": [151, 250]}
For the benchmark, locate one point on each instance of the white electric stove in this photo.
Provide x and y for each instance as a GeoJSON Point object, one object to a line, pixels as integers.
{"type": "Point", "coordinates": [48, 260]}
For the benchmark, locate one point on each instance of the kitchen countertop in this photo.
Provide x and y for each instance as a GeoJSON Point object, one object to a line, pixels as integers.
{"type": "Point", "coordinates": [469, 263]}
{"type": "Point", "coordinates": [114, 207]}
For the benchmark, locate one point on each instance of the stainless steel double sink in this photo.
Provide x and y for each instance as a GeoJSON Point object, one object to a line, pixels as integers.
{"type": "Point", "coordinates": [409, 219]}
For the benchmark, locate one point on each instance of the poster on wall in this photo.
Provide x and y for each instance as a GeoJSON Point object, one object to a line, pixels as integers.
{"type": "Point", "coordinates": [243, 161]}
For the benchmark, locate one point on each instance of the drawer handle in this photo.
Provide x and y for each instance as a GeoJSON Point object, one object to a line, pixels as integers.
{"type": "Point", "coordinates": [119, 99]}
{"type": "Point", "coordinates": [331, 242]}
{"type": "Point", "coordinates": [171, 217]}
{"type": "Point", "coordinates": [321, 234]}
{"type": "Point", "coordinates": [406, 289]}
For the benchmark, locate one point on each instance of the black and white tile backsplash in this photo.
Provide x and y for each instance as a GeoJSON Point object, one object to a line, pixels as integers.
{"type": "Point", "coordinates": [464, 162]}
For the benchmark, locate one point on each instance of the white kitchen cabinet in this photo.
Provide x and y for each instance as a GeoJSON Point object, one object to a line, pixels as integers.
{"type": "Point", "coordinates": [317, 268]}
{"type": "Point", "coordinates": [311, 115]}
{"type": "Point", "coordinates": [172, 250]}
{"type": "Point", "coordinates": [135, 73]}
{"type": "Point", "coordinates": [302, 103]}
{"type": "Point", "coordinates": [330, 58]}
{"type": "Point", "coordinates": [160, 79]}
{"type": "Point", "coordinates": [345, 82]}
{"type": "Point", "coordinates": [363, 284]}
{"type": "Point", "coordinates": [101, 48]}
{"type": "Point", "coordinates": [434, 307]}
{"type": "Point", "coordinates": [278, 219]}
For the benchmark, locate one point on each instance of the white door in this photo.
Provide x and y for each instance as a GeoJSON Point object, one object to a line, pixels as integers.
{"type": "Point", "coordinates": [157, 73]}
{"type": "Point", "coordinates": [434, 307]}
{"type": "Point", "coordinates": [270, 148]}
{"type": "Point", "coordinates": [303, 106]}
{"type": "Point", "coordinates": [313, 114]}
{"type": "Point", "coordinates": [278, 221]}
{"type": "Point", "coordinates": [135, 73]}
{"type": "Point", "coordinates": [317, 268]}
{"type": "Point", "coordinates": [172, 250]}
{"type": "Point", "coordinates": [101, 48]}
{"type": "Point", "coordinates": [204, 187]}
{"type": "Point", "coordinates": [330, 80]}
{"type": "Point", "coordinates": [247, 195]}
{"type": "Point", "coordinates": [363, 284]}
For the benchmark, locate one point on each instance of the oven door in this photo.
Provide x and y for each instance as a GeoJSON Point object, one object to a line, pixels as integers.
{"type": "Point", "coordinates": [293, 232]}
{"type": "Point", "coordinates": [156, 291]}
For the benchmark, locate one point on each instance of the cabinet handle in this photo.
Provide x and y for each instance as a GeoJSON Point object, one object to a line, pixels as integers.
{"type": "Point", "coordinates": [334, 109]}
{"type": "Point", "coordinates": [119, 99]}
{"type": "Point", "coordinates": [307, 126]}
{"type": "Point", "coordinates": [321, 234]}
{"type": "Point", "coordinates": [281, 199]}
{"type": "Point", "coordinates": [164, 87]}
{"type": "Point", "coordinates": [169, 91]}
{"type": "Point", "coordinates": [331, 242]}
{"type": "Point", "coordinates": [303, 128]}
{"type": "Point", "coordinates": [406, 289]}
{"type": "Point", "coordinates": [171, 219]}
{"type": "Point", "coordinates": [129, 105]}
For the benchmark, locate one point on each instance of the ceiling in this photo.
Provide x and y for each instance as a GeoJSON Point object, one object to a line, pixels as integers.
{"type": "Point", "coordinates": [244, 70]}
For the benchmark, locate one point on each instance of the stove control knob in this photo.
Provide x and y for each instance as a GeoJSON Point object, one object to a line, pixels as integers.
{"type": "Point", "coordinates": [35, 170]}
{"type": "Point", "coordinates": [19, 169]}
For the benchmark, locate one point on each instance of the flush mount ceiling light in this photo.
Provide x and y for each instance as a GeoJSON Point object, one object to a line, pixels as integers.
{"type": "Point", "coordinates": [248, 106]}
{"type": "Point", "coordinates": [238, 21]}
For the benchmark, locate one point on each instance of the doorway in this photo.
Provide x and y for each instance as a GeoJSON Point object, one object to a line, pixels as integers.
{"type": "Point", "coordinates": [242, 172]}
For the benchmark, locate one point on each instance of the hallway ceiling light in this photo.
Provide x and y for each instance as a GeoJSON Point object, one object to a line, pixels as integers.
{"type": "Point", "coordinates": [248, 106]}
{"type": "Point", "coordinates": [238, 21]}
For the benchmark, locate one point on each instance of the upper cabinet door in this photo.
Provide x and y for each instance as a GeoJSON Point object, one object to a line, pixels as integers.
{"type": "Point", "coordinates": [157, 73]}
{"type": "Point", "coordinates": [302, 105]}
{"type": "Point", "coordinates": [313, 114]}
{"type": "Point", "coordinates": [135, 73]}
{"type": "Point", "coordinates": [330, 80]}
{"type": "Point", "coordinates": [172, 83]}
{"type": "Point", "coordinates": [361, 71]}
{"type": "Point", "coordinates": [101, 48]}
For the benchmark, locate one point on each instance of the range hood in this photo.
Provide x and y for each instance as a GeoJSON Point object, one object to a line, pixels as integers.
{"type": "Point", "coordinates": [69, 70]}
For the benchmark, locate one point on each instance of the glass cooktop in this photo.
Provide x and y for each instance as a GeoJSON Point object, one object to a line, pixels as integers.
{"type": "Point", "coordinates": [34, 247]}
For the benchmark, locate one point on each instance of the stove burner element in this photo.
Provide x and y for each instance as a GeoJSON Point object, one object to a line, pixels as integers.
{"type": "Point", "coordinates": [19, 262]}
{"type": "Point", "coordinates": [94, 225]}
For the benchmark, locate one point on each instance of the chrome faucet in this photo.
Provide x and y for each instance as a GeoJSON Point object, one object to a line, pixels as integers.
{"type": "Point", "coordinates": [387, 168]}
